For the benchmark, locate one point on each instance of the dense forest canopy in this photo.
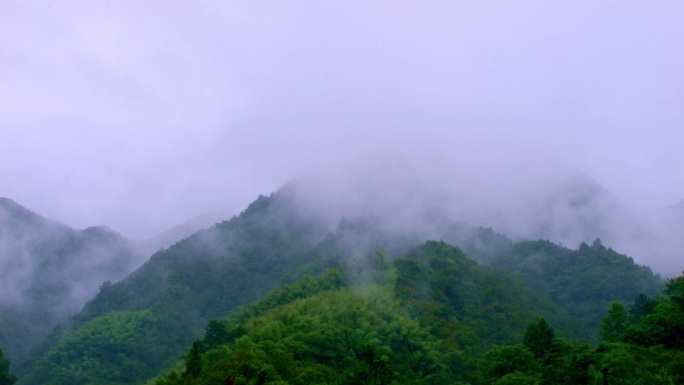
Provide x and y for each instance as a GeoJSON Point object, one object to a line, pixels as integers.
{"type": "Point", "coordinates": [320, 331]}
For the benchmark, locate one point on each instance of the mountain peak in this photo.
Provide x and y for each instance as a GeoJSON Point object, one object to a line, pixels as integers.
{"type": "Point", "coordinates": [7, 203]}
{"type": "Point", "coordinates": [13, 213]}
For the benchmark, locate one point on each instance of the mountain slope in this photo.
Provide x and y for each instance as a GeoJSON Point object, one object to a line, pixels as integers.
{"type": "Point", "coordinates": [430, 332]}
{"type": "Point", "coordinates": [204, 276]}
{"type": "Point", "coordinates": [582, 281]}
{"type": "Point", "coordinates": [48, 271]}
{"type": "Point", "coordinates": [318, 330]}
{"type": "Point", "coordinates": [276, 240]}
{"type": "Point", "coordinates": [181, 231]}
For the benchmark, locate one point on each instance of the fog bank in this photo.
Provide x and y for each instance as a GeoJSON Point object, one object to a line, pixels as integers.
{"type": "Point", "coordinates": [143, 115]}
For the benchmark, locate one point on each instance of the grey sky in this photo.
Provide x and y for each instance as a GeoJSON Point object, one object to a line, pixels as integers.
{"type": "Point", "coordinates": [140, 115]}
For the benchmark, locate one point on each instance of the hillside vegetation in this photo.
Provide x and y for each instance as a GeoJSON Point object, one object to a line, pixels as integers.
{"type": "Point", "coordinates": [322, 331]}
{"type": "Point", "coordinates": [420, 313]}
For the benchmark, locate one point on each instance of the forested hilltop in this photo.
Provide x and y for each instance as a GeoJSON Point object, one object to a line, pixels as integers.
{"type": "Point", "coordinates": [349, 302]}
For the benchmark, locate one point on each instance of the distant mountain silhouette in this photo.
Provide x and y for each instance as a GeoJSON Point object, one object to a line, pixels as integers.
{"type": "Point", "coordinates": [48, 271]}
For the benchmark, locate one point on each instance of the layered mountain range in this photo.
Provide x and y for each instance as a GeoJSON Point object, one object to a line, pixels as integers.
{"type": "Point", "coordinates": [135, 325]}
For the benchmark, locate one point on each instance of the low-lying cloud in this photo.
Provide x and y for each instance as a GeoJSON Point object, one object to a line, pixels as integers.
{"type": "Point", "coordinates": [141, 116]}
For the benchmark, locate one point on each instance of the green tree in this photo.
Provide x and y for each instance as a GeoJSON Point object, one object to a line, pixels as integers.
{"type": "Point", "coordinates": [539, 338]}
{"type": "Point", "coordinates": [574, 366]}
{"type": "Point", "coordinates": [376, 369]}
{"type": "Point", "coordinates": [518, 378]}
{"type": "Point", "coordinates": [675, 290]}
{"type": "Point", "coordinates": [502, 361]}
{"type": "Point", "coordinates": [6, 377]}
{"type": "Point", "coordinates": [595, 377]}
{"type": "Point", "coordinates": [216, 334]}
{"type": "Point", "coordinates": [193, 362]}
{"type": "Point", "coordinates": [641, 306]}
{"type": "Point", "coordinates": [614, 324]}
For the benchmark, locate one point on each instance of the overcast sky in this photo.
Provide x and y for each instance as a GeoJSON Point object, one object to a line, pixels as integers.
{"type": "Point", "coordinates": [142, 114]}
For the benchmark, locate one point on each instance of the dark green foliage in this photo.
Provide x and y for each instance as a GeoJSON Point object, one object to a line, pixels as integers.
{"type": "Point", "coordinates": [539, 338]}
{"type": "Point", "coordinates": [645, 351]}
{"type": "Point", "coordinates": [508, 362]}
{"type": "Point", "coordinates": [316, 331]}
{"type": "Point", "coordinates": [121, 340]}
{"type": "Point", "coordinates": [583, 282]}
{"type": "Point", "coordinates": [575, 366]}
{"type": "Point", "coordinates": [215, 334]}
{"type": "Point", "coordinates": [193, 364]}
{"type": "Point", "coordinates": [665, 324]}
{"type": "Point", "coordinates": [331, 337]}
{"type": "Point", "coordinates": [468, 304]}
{"type": "Point", "coordinates": [305, 287]}
{"type": "Point", "coordinates": [374, 368]}
{"type": "Point", "coordinates": [464, 308]}
{"type": "Point", "coordinates": [641, 306]}
{"type": "Point", "coordinates": [6, 376]}
{"type": "Point", "coordinates": [613, 325]}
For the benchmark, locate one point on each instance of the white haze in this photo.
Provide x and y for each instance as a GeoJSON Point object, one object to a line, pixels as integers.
{"type": "Point", "coordinates": [142, 115]}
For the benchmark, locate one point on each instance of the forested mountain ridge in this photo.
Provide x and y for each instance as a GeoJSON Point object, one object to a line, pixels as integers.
{"type": "Point", "coordinates": [48, 271]}
{"type": "Point", "coordinates": [436, 286]}
{"type": "Point", "coordinates": [606, 276]}
{"type": "Point", "coordinates": [139, 326]}
{"type": "Point", "coordinates": [204, 276]}
{"type": "Point", "coordinates": [416, 328]}
{"type": "Point", "coordinates": [583, 281]}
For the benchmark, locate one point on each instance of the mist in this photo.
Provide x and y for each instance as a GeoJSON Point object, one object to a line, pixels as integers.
{"type": "Point", "coordinates": [48, 271]}
{"type": "Point", "coordinates": [141, 116]}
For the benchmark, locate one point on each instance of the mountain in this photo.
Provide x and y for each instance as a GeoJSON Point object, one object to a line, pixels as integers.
{"type": "Point", "coordinates": [583, 282]}
{"type": "Point", "coordinates": [430, 325]}
{"type": "Point", "coordinates": [139, 326]}
{"type": "Point", "coordinates": [201, 277]}
{"type": "Point", "coordinates": [49, 271]}
{"type": "Point", "coordinates": [437, 293]}
{"type": "Point", "coordinates": [432, 317]}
